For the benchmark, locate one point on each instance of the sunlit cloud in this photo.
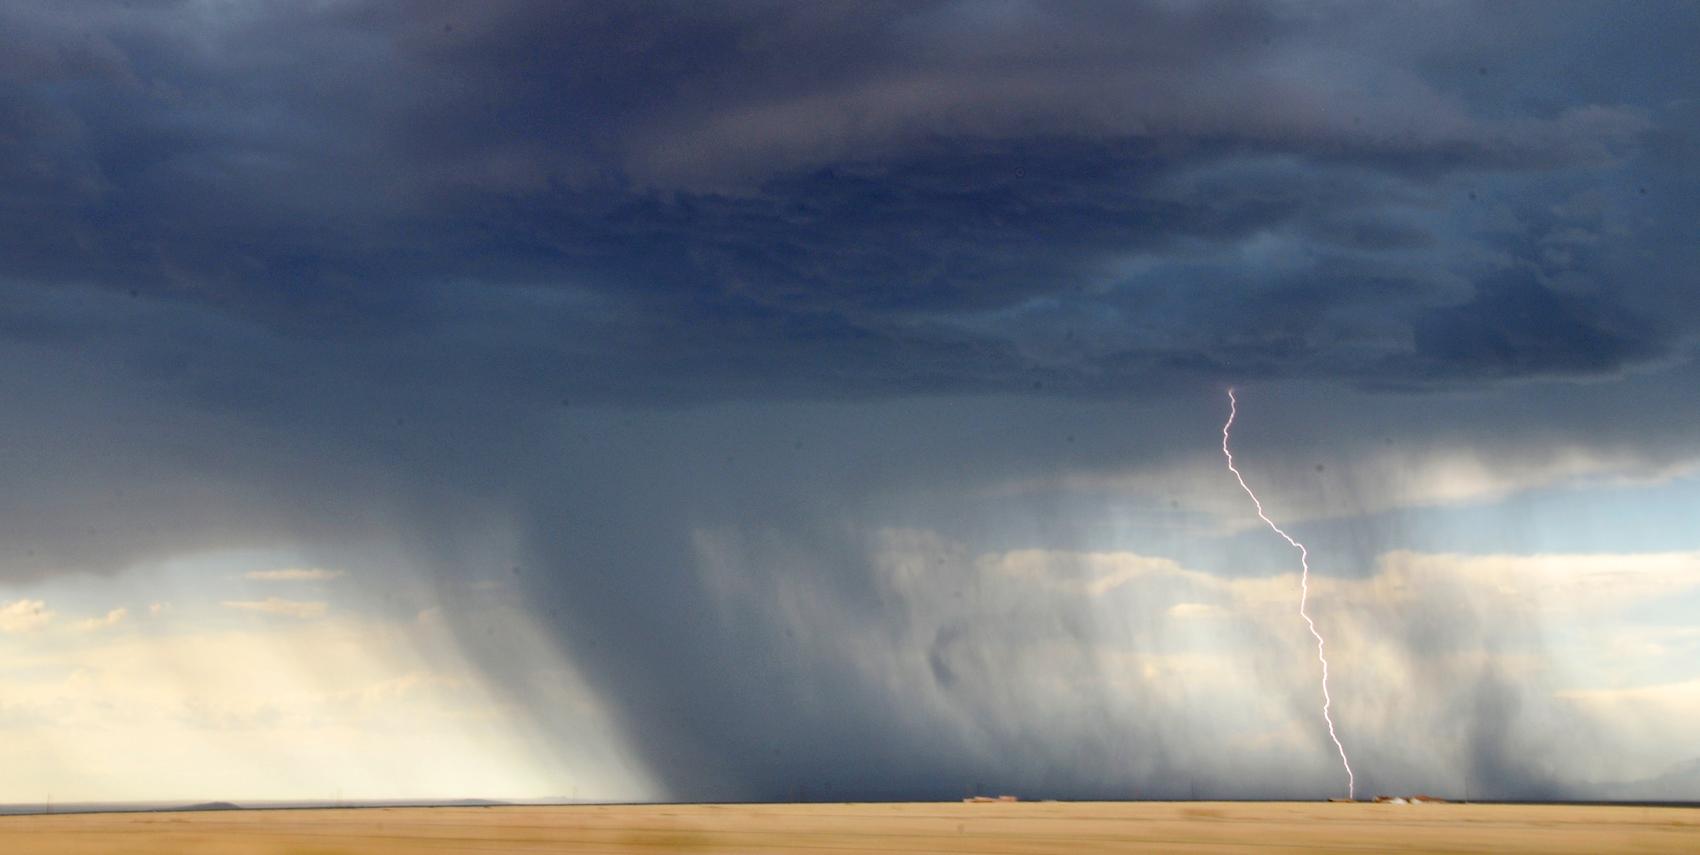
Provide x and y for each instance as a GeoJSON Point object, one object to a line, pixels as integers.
{"type": "Point", "coordinates": [304, 609]}
{"type": "Point", "coordinates": [21, 616]}
{"type": "Point", "coordinates": [1367, 481]}
{"type": "Point", "coordinates": [1094, 573]}
{"type": "Point", "coordinates": [1558, 583]}
{"type": "Point", "coordinates": [1446, 665]}
{"type": "Point", "coordinates": [106, 621]}
{"type": "Point", "coordinates": [294, 574]}
{"type": "Point", "coordinates": [1192, 611]}
{"type": "Point", "coordinates": [350, 704]}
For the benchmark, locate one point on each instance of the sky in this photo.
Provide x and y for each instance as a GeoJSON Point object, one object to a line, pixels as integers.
{"type": "Point", "coordinates": [745, 400]}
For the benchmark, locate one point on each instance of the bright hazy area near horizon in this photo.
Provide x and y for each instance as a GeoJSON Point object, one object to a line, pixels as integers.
{"type": "Point", "coordinates": [748, 401]}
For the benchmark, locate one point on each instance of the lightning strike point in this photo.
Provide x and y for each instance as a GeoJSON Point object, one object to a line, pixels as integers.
{"type": "Point", "coordinates": [1304, 595]}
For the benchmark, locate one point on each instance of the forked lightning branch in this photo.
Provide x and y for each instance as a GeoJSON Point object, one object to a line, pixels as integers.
{"type": "Point", "coordinates": [1304, 594]}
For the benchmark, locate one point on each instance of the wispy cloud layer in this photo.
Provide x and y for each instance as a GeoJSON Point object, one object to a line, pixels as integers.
{"type": "Point", "coordinates": [303, 609]}
{"type": "Point", "coordinates": [293, 574]}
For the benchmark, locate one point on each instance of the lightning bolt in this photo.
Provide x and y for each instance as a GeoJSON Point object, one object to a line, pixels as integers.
{"type": "Point", "coordinates": [1304, 595]}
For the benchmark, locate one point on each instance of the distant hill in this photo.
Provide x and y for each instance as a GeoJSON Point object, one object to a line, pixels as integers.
{"type": "Point", "coordinates": [211, 806]}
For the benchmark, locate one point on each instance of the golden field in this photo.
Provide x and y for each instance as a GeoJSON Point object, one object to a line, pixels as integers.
{"type": "Point", "coordinates": [1022, 827]}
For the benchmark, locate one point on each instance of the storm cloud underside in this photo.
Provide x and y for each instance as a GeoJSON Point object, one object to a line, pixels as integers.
{"type": "Point", "coordinates": [811, 371]}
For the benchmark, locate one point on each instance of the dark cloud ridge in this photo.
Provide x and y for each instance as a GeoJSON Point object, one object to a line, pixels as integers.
{"type": "Point", "coordinates": [340, 185]}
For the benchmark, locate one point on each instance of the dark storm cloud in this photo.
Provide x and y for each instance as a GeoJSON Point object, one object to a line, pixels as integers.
{"type": "Point", "coordinates": [389, 271]}
{"type": "Point", "coordinates": [1515, 325]}
{"type": "Point", "coordinates": [808, 176]}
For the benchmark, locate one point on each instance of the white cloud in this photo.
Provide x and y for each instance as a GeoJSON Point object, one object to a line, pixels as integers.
{"type": "Point", "coordinates": [1094, 573]}
{"type": "Point", "coordinates": [1647, 642]}
{"type": "Point", "coordinates": [157, 609]}
{"type": "Point", "coordinates": [406, 686]}
{"type": "Point", "coordinates": [1556, 583]}
{"type": "Point", "coordinates": [1364, 482]}
{"type": "Point", "coordinates": [293, 574]}
{"type": "Point", "coordinates": [278, 709]}
{"type": "Point", "coordinates": [1009, 643]}
{"type": "Point", "coordinates": [107, 621]}
{"type": "Point", "coordinates": [1663, 717]}
{"type": "Point", "coordinates": [21, 616]}
{"type": "Point", "coordinates": [1559, 582]}
{"type": "Point", "coordinates": [1683, 696]}
{"type": "Point", "coordinates": [1193, 611]}
{"type": "Point", "coordinates": [303, 609]}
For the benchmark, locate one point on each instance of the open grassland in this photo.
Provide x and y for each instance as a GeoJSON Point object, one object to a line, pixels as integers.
{"type": "Point", "coordinates": [1025, 827]}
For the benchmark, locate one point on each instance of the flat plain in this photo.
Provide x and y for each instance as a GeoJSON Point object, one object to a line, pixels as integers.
{"type": "Point", "coordinates": [997, 828]}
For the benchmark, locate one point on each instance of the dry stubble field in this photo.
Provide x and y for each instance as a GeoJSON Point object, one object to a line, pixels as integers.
{"type": "Point", "coordinates": [1026, 827]}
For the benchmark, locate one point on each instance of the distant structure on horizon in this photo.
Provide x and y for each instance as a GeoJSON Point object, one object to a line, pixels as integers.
{"type": "Point", "coordinates": [1409, 800]}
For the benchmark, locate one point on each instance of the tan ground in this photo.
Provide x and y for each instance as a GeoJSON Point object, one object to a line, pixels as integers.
{"type": "Point", "coordinates": [1027, 827]}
